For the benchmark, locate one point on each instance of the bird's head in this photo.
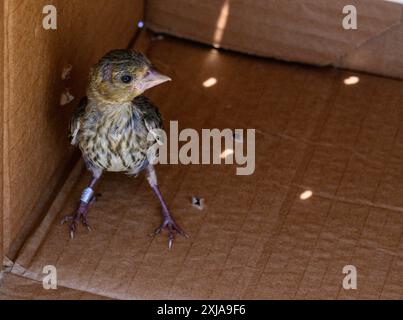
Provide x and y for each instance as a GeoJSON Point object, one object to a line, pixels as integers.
{"type": "Point", "coordinates": [122, 75]}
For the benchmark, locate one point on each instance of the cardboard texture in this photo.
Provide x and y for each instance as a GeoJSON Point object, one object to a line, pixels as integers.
{"type": "Point", "coordinates": [17, 288]}
{"type": "Point", "coordinates": [1, 129]}
{"type": "Point", "coordinates": [36, 151]}
{"type": "Point", "coordinates": [255, 238]}
{"type": "Point", "coordinates": [308, 31]}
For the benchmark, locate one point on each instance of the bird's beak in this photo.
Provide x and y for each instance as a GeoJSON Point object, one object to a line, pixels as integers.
{"type": "Point", "coordinates": [153, 78]}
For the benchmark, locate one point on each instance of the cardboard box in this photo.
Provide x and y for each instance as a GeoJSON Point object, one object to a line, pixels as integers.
{"type": "Point", "coordinates": [327, 188]}
{"type": "Point", "coordinates": [1, 129]}
{"type": "Point", "coordinates": [308, 31]}
{"type": "Point", "coordinates": [36, 157]}
{"type": "Point", "coordinates": [256, 238]}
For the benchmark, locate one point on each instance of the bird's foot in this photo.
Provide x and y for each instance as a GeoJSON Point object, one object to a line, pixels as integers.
{"type": "Point", "coordinates": [172, 228]}
{"type": "Point", "coordinates": [79, 216]}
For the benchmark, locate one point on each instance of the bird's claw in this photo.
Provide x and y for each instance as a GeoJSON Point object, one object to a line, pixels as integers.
{"type": "Point", "coordinates": [172, 228]}
{"type": "Point", "coordinates": [80, 215]}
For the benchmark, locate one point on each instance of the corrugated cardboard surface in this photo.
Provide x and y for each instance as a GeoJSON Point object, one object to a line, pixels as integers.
{"type": "Point", "coordinates": [17, 288]}
{"type": "Point", "coordinates": [308, 31]}
{"type": "Point", "coordinates": [256, 238]}
{"type": "Point", "coordinates": [35, 145]}
{"type": "Point", "coordinates": [1, 126]}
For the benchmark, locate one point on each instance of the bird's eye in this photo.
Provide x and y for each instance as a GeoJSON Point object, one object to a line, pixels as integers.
{"type": "Point", "coordinates": [126, 78]}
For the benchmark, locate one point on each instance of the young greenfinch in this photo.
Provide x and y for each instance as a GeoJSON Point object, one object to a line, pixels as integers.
{"type": "Point", "coordinates": [111, 127]}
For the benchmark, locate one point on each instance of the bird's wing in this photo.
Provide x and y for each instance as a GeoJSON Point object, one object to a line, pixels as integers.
{"type": "Point", "coordinates": [150, 114]}
{"type": "Point", "coordinates": [75, 121]}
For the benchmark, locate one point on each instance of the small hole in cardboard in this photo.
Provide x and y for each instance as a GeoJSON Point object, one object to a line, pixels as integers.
{"type": "Point", "coordinates": [198, 202]}
{"type": "Point", "coordinates": [66, 72]}
{"type": "Point", "coordinates": [306, 195]}
{"type": "Point", "coordinates": [209, 82]}
{"type": "Point", "coordinates": [66, 97]}
{"type": "Point", "coordinates": [226, 153]}
{"type": "Point", "coordinates": [351, 80]}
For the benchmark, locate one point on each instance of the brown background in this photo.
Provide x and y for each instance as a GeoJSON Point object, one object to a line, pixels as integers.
{"type": "Point", "coordinates": [308, 31]}
{"type": "Point", "coordinates": [36, 149]}
{"type": "Point", "coordinates": [256, 238]}
{"type": "Point", "coordinates": [1, 126]}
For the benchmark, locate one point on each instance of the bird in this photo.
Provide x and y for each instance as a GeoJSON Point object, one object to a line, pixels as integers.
{"type": "Point", "coordinates": [111, 126]}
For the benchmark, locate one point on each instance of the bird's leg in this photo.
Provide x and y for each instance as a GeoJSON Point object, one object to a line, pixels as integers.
{"type": "Point", "coordinates": [167, 221]}
{"type": "Point", "coordinates": [87, 198]}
